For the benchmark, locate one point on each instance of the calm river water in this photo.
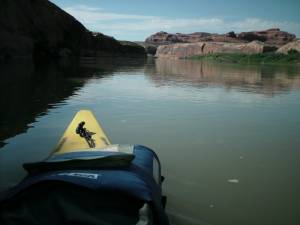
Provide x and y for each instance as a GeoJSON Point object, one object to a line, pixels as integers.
{"type": "Point", "coordinates": [228, 135]}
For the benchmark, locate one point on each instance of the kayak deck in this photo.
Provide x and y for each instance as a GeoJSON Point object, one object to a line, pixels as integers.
{"type": "Point", "coordinates": [71, 141]}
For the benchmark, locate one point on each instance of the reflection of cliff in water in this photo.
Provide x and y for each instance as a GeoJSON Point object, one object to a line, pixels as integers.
{"type": "Point", "coordinates": [263, 79]}
{"type": "Point", "coordinates": [27, 91]}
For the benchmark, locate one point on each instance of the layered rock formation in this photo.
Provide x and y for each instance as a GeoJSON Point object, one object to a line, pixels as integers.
{"type": "Point", "coordinates": [272, 39]}
{"type": "Point", "coordinates": [179, 51]}
{"type": "Point", "coordinates": [271, 36]}
{"type": "Point", "coordinates": [295, 45]}
{"type": "Point", "coordinates": [37, 28]}
{"type": "Point", "coordinates": [163, 38]}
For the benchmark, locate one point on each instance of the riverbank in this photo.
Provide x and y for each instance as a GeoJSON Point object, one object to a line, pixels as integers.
{"type": "Point", "coordinates": [293, 57]}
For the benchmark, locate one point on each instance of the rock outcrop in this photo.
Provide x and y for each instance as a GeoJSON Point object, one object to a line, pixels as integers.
{"type": "Point", "coordinates": [38, 28]}
{"type": "Point", "coordinates": [274, 37]}
{"type": "Point", "coordinates": [185, 50]}
{"type": "Point", "coordinates": [201, 43]}
{"type": "Point", "coordinates": [271, 36]}
{"type": "Point", "coordinates": [295, 45]}
{"type": "Point", "coordinates": [163, 38]}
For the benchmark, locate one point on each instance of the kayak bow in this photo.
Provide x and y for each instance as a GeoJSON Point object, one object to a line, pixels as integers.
{"type": "Point", "coordinates": [71, 141]}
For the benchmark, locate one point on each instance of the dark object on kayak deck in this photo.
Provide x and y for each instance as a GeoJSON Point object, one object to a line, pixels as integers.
{"type": "Point", "coordinates": [84, 133]}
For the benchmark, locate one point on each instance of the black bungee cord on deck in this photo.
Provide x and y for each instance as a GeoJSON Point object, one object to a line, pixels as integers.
{"type": "Point", "coordinates": [86, 134]}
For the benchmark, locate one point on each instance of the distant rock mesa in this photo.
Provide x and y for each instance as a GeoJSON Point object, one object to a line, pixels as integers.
{"type": "Point", "coordinates": [273, 36]}
{"type": "Point", "coordinates": [163, 38]}
{"type": "Point", "coordinates": [200, 43]}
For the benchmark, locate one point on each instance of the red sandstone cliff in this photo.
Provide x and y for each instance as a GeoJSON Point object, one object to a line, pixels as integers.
{"type": "Point", "coordinates": [185, 50]}
{"type": "Point", "coordinates": [274, 37]}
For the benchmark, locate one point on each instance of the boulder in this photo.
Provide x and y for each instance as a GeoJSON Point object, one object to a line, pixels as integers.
{"type": "Point", "coordinates": [185, 50]}
{"type": "Point", "coordinates": [285, 49]}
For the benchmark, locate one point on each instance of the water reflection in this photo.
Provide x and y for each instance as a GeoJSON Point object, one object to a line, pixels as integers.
{"type": "Point", "coordinates": [268, 80]}
{"type": "Point", "coordinates": [28, 91]}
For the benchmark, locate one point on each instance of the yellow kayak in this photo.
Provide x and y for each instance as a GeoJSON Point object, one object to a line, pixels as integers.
{"type": "Point", "coordinates": [83, 133]}
{"type": "Point", "coordinates": [92, 176]}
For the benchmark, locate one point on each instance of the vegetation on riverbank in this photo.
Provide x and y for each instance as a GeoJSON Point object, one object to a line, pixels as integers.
{"type": "Point", "coordinates": [293, 57]}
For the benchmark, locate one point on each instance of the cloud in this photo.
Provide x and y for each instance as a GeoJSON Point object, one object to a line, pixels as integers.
{"type": "Point", "coordinates": [87, 14]}
{"type": "Point", "coordinates": [97, 19]}
{"type": "Point", "coordinates": [257, 23]}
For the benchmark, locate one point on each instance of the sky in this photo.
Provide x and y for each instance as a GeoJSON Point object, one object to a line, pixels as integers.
{"type": "Point", "coordinates": [135, 20]}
